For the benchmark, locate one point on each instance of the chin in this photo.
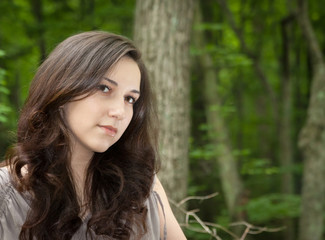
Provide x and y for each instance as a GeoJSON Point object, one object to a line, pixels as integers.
{"type": "Point", "coordinates": [102, 149]}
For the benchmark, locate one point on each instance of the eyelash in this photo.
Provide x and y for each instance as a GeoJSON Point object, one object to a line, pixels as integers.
{"type": "Point", "coordinates": [129, 99]}
{"type": "Point", "coordinates": [102, 88]}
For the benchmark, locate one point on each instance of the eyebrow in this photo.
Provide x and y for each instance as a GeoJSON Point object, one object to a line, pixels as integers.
{"type": "Point", "coordinates": [116, 84]}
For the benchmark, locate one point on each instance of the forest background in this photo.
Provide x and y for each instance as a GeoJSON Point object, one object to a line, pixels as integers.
{"type": "Point", "coordinates": [252, 126]}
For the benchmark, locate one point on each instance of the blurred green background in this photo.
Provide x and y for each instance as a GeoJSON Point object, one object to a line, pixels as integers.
{"type": "Point", "coordinates": [30, 29]}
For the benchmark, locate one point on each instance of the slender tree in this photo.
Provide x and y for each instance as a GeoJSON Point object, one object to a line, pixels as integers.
{"type": "Point", "coordinates": [312, 138]}
{"type": "Point", "coordinates": [232, 185]}
{"type": "Point", "coordinates": [37, 11]}
{"type": "Point", "coordinates": [267, 104]}
{"type": "Point", "coordinates": [285, 120]}
{"type": "Point", "coordinates": [162, 31]}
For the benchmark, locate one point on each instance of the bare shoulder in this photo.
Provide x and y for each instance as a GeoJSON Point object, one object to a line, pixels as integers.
{"type": "Point", "coordinates": [174, 231]}
{"type": "Point", "coordinates": [157, 185]}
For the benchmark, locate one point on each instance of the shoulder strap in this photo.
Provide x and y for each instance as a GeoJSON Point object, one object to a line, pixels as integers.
{"type": "Point", "coordinates": [163, 210]}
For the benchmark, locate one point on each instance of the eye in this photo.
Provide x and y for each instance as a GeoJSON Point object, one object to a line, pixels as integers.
{"type": "Point", "coordinates": [130, 99]}
{"type": "Point", "coordinates": [104, 88]}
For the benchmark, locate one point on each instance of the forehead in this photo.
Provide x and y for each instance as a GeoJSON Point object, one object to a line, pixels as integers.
{"type": "Point", "coordinates": [125, 72]}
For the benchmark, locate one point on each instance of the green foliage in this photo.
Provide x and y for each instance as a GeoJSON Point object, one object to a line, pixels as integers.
{"type": "Point", "coordinates": [4, 92]}
{"type": "Point", "coordinates": [273, 206]}
{"type": "Point", "coordinates": [257, 166]}
{"type": "Point", "coordinates": [225, 56]}
{"type": "Point", "coordinates": [207, 152]}
{"type": "Point", "coordinates": [245, 105]}
{"type": "Point", "coordinates": [4, 110]}
{"type": "Point", "coordinates": [252, 127]}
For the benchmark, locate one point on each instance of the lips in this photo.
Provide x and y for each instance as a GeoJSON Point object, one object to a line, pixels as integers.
{"type": "Point", "coordinates": [109, 130]}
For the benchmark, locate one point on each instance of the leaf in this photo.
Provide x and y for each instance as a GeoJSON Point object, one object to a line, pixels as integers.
{"type": "Point", "coordinates": [4, 90]}
{"type": "Point", "coordinates": [273, 206]}
{"type": "Point", "coordinates": [2, 53]}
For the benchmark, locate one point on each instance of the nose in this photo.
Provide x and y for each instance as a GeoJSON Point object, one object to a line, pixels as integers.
{"type": "Point", "coordinates": [117, 108]}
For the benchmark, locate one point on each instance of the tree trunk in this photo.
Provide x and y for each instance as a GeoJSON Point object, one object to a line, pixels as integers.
{"type": "Point", "coordinates": [230, 179]}
{"type": "Point", "coordinates": [37, 10]}
{"type": "Point", "coordinates": [218, 133]}
{"type": "Point", "coordinates": [162, 32]}
{"type": "Point", "coordinates": [266, 105]}
{"type": "Point", "coordinates": [312, 139]}
{"type": "Point", "coordinates": [285, 129]}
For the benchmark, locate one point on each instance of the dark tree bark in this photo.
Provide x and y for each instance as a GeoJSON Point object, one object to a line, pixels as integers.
{"type": "Point", "coordinates": [162, 32]}
{"type": "Point", "coordinates": [37, 10]}
{"type": "Point", "coordinates": [285, 129]}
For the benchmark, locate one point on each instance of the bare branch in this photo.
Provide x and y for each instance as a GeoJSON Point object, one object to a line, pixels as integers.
{"type": "Point", "coordinates": [197, 198]}
{"type": "Point", "coordinates": [256, 230]}
{"type": "Point", "coordinates": [222, 228]}
{"type": "Point", "coordinates": [198, 220]}
{"type": "Point", "coordinates": [211, 228]}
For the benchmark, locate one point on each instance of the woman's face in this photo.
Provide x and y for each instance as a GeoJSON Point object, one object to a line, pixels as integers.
{"type": "Point", "coordinates": [99, 120]}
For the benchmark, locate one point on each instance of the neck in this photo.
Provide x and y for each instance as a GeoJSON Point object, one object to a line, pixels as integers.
{"type": "Point", "coordinates": [79, 166]}
{"type": "Point", "coordinates": [80, 161]}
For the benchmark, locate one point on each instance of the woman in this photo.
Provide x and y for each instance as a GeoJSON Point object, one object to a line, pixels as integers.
{"type": "Point", "coordinates": [84, 163]}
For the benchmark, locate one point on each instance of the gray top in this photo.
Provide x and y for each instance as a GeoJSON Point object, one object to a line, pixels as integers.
{"type": "Point", "coordinates": [14, 208]}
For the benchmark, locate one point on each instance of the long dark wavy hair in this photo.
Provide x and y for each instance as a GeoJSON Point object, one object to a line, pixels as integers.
{"type": "Point", "coordinates": [118, 181]}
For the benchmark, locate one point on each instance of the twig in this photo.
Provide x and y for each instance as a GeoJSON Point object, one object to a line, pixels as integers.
{"type": "Point", "coordinates": [250, 229]}
{"type": "Point", "coordinates": [197, 198]}
{"type": "Point", "coordinates": [222, 228]}
{"type": "Point", "coordinates": [198, 220]}
{"type": "Point", "coordinates": [257, 230]}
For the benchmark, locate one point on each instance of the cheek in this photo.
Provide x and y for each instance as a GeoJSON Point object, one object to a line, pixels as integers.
{"type": "Point", "coordinates": [127, 121]}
